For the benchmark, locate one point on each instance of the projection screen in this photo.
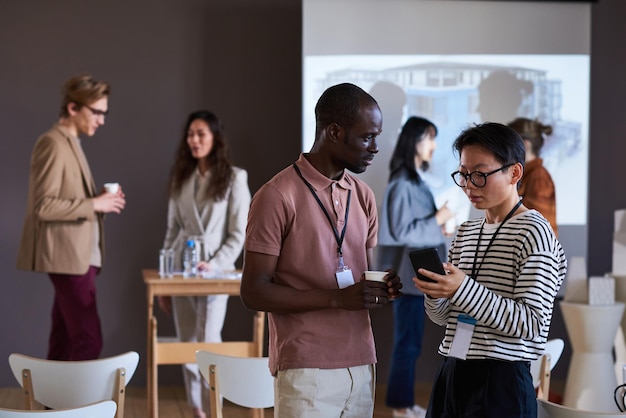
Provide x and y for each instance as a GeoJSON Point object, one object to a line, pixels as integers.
{"type": "Point", "coordinates": [458, 63]}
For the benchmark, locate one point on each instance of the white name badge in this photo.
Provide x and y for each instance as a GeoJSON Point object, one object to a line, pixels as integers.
{"type": "Point", "coordinates": [462, 337]}
{"type": "Point", "coordinates": [344, 277]}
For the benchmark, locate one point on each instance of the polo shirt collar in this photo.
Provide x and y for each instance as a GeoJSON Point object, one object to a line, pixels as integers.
{"type": "Point", "coordinates": [318, 180]}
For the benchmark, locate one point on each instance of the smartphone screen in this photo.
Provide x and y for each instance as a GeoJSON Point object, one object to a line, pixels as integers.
{"type": "Point", "coordinates": [427, 259]}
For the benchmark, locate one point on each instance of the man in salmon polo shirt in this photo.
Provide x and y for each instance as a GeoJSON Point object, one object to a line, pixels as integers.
{"type": "Point", "coordinates": [310, 238]}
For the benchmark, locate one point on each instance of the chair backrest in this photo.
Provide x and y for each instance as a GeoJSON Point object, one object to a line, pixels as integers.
{"type": "Point", "coordinates": [104, 409]}
{"type": "Point", "coordinates": [245, 381]}
{"type": "Point", "coordinates": [70, 384]}
{"type": "Point", "coordinates": [552, 354]}
{"type": "Point", "coordinates": [547, 409]}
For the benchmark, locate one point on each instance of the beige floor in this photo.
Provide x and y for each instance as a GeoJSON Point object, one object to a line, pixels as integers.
{"type": "Point", "coordinates": [172, 402]}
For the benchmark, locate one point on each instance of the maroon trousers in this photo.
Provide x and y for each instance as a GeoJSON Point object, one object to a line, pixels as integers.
{"type": "Point", "coordinates": [76, 333]}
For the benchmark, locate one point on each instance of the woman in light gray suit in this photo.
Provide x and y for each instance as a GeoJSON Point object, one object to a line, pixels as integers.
{"type": "Point", "coordinates": [208, 198]}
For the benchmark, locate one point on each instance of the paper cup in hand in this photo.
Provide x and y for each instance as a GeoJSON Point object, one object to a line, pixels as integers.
{"type": "Point", "coordinates": [376, 276]}
{"type": "Point", "coordinates": [450, 225]}
{"type": "Point", "coordinates": [112, 187]}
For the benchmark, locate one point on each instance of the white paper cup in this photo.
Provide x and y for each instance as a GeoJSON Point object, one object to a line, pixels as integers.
{"type": "Point", "coordinates": [450, 225]}
{"type": "Point", "coordinates": [376, 276]}
{"type": "Point", "coordinates": [112, 187]}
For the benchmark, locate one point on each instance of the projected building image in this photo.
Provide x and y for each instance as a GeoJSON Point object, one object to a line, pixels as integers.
{"type": "Point", "coordinates": [458, 91]}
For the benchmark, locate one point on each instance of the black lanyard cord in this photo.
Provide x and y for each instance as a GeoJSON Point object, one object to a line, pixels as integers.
{"type": "Point", "coordinates": [338, 238]}
{"type": "Point", "coordinates": [475, 269]}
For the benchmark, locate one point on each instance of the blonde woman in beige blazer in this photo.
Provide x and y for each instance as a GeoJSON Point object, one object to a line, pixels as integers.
{"type": "Point", "coordinates": [208, 198]}
{"type": "Point", "coordinates": [63, 232]}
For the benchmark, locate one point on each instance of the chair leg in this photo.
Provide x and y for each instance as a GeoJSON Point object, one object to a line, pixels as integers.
{"type": "Point", "coordinates": [544, 378]}
{"type": "Point", "coordinates": [214, 393]}
{"type": "Point", "coordinates": [27, 385]}
{"type": "Point", "coordinates": [120, 392]}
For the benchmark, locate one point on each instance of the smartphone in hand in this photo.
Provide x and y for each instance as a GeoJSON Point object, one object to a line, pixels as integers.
{"type": "Point", "coordinates": [428, 259]}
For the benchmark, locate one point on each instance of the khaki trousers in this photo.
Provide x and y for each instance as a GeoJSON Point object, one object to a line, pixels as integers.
{"type": "Point", "coordinates": [325, 393]}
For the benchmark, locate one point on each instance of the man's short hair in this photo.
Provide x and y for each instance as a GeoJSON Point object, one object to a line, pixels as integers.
{"type": "Point", "coordinates": [340, 104]}
{"type": "Point", "coordinates": [82, 89]}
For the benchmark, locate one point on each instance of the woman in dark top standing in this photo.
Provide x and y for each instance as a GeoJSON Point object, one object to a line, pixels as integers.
{"type": "Point", "coordinates": [409, 220]}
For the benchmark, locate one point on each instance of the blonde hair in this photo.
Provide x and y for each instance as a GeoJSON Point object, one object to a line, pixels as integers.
{"type": "Point", "coordinates": [532, 131]}
{"type": "Point", "coordinates": [82, 89]}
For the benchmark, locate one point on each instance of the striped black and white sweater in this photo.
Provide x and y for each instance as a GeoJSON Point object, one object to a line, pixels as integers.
{"type": "Point", "coordinates": [512, 296]}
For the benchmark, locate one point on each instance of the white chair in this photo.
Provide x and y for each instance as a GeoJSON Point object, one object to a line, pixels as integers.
{"type": "Point", "coordinates": [540, 369]}
{"type": "Point", "coordinates": [104, 409]}
{"type": "Point", "coordinates": [71, 384]}
{"type": "Point", "coordinates": [547, 409]}
{"type": "Point", "coordinates": [245, 381]}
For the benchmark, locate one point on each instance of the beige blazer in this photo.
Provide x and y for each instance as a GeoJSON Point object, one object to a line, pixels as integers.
{"type": "Point", "coordinates": [58, 234]}
{"type": "Point", "coordinates": [225, 231]}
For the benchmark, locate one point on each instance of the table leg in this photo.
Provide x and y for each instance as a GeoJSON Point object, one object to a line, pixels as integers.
{"type": "Point", "coordinates": [151, 389]}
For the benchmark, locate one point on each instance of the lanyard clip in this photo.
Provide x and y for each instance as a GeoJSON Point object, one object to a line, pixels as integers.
{"type": "Point", "coordinates": [341, 264]}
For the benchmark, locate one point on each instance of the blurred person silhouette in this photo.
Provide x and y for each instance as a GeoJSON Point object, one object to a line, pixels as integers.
{"type": "Point", "coordinates": [391, 99]}
{"type": "Point", "coordinates": [63, 232]}
{"type": "Point", "coordinates": [208, 197]}
{"type": "Point", "coordinates": [409, 220]}
{"type": "Point", "coordinates": [501, 94]}
{"type": "Point", "coordinates": [536, 188]}
{"type": "Point", "coordinates": [310, 238]}
{"type": "Point", "coordinates": [496, 299]}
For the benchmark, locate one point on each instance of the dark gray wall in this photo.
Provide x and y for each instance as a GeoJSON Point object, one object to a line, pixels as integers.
{"type": "Point", "coordinates": [164, 59]}
{"type": "Point", "coordinates": [242, 59]}
{"type": "Point", "coordinates": [607, 189]}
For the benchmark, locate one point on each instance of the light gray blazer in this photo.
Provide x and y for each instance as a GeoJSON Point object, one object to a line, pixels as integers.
{"type": "Point", "coordinates": [225, 232]}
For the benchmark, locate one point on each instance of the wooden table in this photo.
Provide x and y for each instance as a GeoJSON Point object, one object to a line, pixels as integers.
{"type": "Point", "coordinates": [174, 352]}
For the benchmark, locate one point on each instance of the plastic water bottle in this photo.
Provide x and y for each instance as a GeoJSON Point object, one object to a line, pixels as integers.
{"type": "Point", "coordinates": [190, 259]}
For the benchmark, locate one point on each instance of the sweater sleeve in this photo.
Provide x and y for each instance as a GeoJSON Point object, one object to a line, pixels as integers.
{"type": "Point", "coordinates": [523, 314]}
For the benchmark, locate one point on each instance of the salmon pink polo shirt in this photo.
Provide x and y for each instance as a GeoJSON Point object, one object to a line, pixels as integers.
{"type": "Point", "coordinates": [286, 221]}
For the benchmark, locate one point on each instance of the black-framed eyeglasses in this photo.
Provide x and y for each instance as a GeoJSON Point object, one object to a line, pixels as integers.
{"type": "Point", "coordinates": [478, 178]}
{"type": "Point", "coordinates": [97, 112]}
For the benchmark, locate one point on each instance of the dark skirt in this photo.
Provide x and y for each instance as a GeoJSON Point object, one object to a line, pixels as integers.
{"type": "Point", "coordinates": [483, 389]}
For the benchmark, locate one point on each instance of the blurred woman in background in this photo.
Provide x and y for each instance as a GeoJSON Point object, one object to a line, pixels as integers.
{"type": "Point", "coordinates": [409, 220]}
{"type": "Point", "coordinates": [209, 198]}
{"type": "Point", "coordinates": [536, 188]}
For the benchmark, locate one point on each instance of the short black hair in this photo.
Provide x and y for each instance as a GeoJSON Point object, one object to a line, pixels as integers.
{"type": "Point", "coordinates": [503, 142]}
{"type": "Point", "coordinates": [340, 104]}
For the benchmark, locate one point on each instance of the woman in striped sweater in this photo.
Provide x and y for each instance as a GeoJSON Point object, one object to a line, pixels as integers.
{"type": "Point", "coordinates": [496, 300]}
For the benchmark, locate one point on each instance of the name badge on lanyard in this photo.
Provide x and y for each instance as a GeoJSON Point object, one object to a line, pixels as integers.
{"type": "Point", "coordinates": [465, 323]}
{"type": "Point", "coordinates": [344, 277]}
{"type": "Point", "coordinates": [462, 336]}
